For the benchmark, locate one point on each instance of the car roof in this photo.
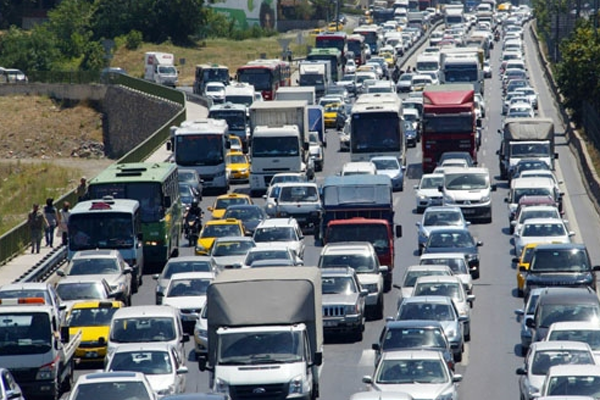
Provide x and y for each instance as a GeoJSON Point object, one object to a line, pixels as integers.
{"type": "Point", "coordinates": [80, 279]}
{"type": "Point", "coordinates": [277, 222]}
{"type": "Point", "coordinates": [99, 253]}
{"type": "Point", "coordinates": [574, 370]}
{"type": "Point", "coordinates": [533, 221]}
{"type": "Point", "coordinates": [435, 256]}
{"type": "Point", "coordinates": [574, 325]}
{"type": "Point", "coordinates": [147, 346]}
{"type": "Point", "coordinates": [413, 323]}
{"type": "Point", "coordinates": [337, 271]}
{"type": "Point", "coordinates": [428, 267]}
{"type": "Point", "coordinates": [560, 246]}
{"type": "Point", "coordinates": [412, 355]}
{"type": "Point", "coordinates": [559, 345]}
{"type": "Point", "coordinates": [346, 247]}
{"type": "Point", "coordinates": [455, 209]}
{"type": "Point", "coordinates": [234, 239]}
{"type": "Point", "coordinates": [120, 376]}
{"type": "Point", "coordinates": [439, 279]}
{"type": "Point", "coordinates": [566, 295]}
{"type": "Point", "coordinates": [427, 300]}
{"type": "Point", "coordinates": [192, 275]}
{"type": "Point", "coordinates": [146, 311]}
{"type": "Point", "coordinates": [298, 184]}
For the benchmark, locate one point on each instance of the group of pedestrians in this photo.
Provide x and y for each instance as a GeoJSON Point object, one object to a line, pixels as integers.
{"type": "Point", "coordinates": [43, 223]}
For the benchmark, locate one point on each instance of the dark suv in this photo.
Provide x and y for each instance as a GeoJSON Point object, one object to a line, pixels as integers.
{"type": "Point", "coordinates": [562, 304]}
{"type": "Point", "coordinates": [565, 265]}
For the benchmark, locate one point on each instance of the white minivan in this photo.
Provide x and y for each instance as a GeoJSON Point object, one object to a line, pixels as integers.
{"type": "Point", "coordinates": [469, 189]}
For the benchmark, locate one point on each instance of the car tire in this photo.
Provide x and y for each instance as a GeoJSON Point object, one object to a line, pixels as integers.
{"type": "Point", "coordinates": [520, 293]}
{"type": "Point", "coordinates": [358, 333]}
{"type": "Point", "coordinates": [420, 210]}
{"type": "Point", "coordinates": [387, 283]}
{"type": "Point", "coordinates": [378, 312]}
{"type": "Point", "coordinates": [524, 351]}
{"type": "Point", "coordinates": [458, 356]}
{"type": "Point", "coordinates": [135, 284]}
{"type": "Point", "coordinates": [468, 335]}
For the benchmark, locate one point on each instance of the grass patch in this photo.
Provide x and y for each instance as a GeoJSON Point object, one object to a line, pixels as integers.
{"type": "Point", "coordinates": [227, 52]}
{"type": "Point", "coordinates": [24, 183]}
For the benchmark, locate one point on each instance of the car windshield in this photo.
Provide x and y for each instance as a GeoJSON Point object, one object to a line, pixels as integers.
{"type": "Point", "coordinates": [534, 229]}
{"type": "Point", "coordinates": [412, 371]}
{"type": "Point", "coordinates": [543, 360]}
{"type": "Point", "coordinates": [236, 159]}
{"type": "Point", "coordinates": [232, 201]}
{"type": "Point", "coordinates": [221, 230]}
{"type": "Point", "coordinates": [435, 312]}
{"type": "Point", "coordinates": [294, 194]}
{"type": "Point", "coordinates": [567, 260]}
{"type": "Point", "coordinates": [275, 234]}
{"type": "Point", "coordinates": [244, 214]}
{"type": "Point", "coordinates": [589, 336]}
{"type": "Point", "coordinates": [232, 248]}
{"type": "Point", "coordinates": [405, 338]}
{"type": "Point", "coordinates": [261, 348]}
{"type": "Point", "coordinates": [266, 255]}
{"type": "Point", "coordinates": [360, 263]}
{"type": "Point", "coordinates": [551, 313]}
{"type": "Point", "coordinates": [386, 164]}
{"type": "Point", "coordinates": [450, 239]}
{"type": "Point", "coordinates": [442, 218]}
{"type": "Point", "coordinates": [142, 329]}
{"type": "Point", "coordinates": [574, 386]}
{"type": "Point", "coordinates": [464, 181]}
{"type": "Point", "coordinates": [545, 213]}
{"type": "Point", "coordinates": [94, 266]}
{"type": "Point", "coordinates": [177, 267]}
{"type": "Point", "coordinates": [338, 285]}
{"type": "Point", "coordinates": [80, 291]}
{"type": "Point", "coordinates": [188, 287]}
{"type": "Point", "coordinates": [431, 182]}
{"type": "Point", "coordinates": [146, 362]}
{"type": "Point", "coordinates": [93, 316]}
{"type": "Point", "coordinates": [112, 390]}
{"type": "Point", "coordinates": [451, 290]}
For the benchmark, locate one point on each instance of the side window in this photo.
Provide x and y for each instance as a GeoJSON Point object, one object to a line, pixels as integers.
{"type": "Point", "coordinates": [6, 381]}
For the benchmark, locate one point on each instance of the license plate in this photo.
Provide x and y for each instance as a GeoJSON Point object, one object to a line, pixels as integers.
{"type": "Point", "coordinates": [468, 211]}
{"type": "Point", "coordinates": [330, 323]}
{"type": "Point", "coordinates": [91, 354]}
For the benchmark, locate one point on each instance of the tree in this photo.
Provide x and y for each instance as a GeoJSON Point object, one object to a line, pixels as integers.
{"type": "Point", "coordinates": [29, 51]}
{"type": "Point", "coordinates": [578, 73]}
{"type": "Point", "coordinates": [70, 23]}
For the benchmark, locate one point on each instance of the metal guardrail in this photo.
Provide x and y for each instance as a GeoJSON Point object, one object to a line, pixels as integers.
{"type": "Point", "coordinates": [44, 268]}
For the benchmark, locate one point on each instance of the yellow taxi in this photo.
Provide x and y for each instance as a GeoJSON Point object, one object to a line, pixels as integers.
{"type": "Point", "coordinates": [230, 199]}
{"type": "Point", "coordinates": [335, 26]}
{"type": "Point", "coordinates": [366, 68]}
{"type": "Point", "coordinates": [330, 114]}
{"type": "Point", "coordinates": [316, 32]}
{"type": "Point", "coordinates": [238, 166]}
{"type": "Point", "coordinates": [235, 143]}
{"type": "Point", "coordinates": [93, 319]}
{"type": "Point", "coordinates": [523, 265]}
{"type": "Point", "coordinates": [389, 58]}
{"type": "Point", "coordinates": [215, 229]}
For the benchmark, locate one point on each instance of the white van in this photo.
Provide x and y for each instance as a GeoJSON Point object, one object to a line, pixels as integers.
{"type": "Point", "coordinates": [147, 324]}
{"type": "Point", "coordinates": [469, 189]}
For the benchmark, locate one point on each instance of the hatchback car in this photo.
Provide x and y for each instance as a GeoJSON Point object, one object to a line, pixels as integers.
{"type": "Point", "coordinates": [423, 374]}
{"type": "Point", "coordinates": [414, 272]}
{"type": "Point", "coordinates": [215, 229]}
{"type": "Point", "coordinates": [390, 166]}
{"type": "Point", "coordinates": [455, 240]}
{"type": "Point", "coordinates": [158, 361]}
{"type": "Point", "coordinates": [572, 380]}
{"type": "Point", "coordinates": [122, 385]}
{"type": "Point", "coordinates": [230, 251]}
{"type": "Point", "coordinates": [436, 308]}
{"type": "Point", "coordinates": [103, 264]}
{"type": "Point", "coordinates": [177, 265]}
{"type": "Point", "coordinates": [250, 214]}
{"type": "Point", "coordinates": [187, 293]}
{"type": "Point", "coordinates": [457, 262]}
{"type": "Point", "coordinates": [238, 166]}
{"type": "Point", "coordinates": [231, 199]}
{"type": "Point", "coordinates": [541, 230]}
{"type": "Point", "coordinates": [283, 231]}
{"type": "Point", "coordinates": [544, 355]}
{"type": "Point", "coordinates": [437, 217]}
{"type": "Point", "coordinates": [586, 332]}
{"type": "Point", "coordinates": [427, 192]}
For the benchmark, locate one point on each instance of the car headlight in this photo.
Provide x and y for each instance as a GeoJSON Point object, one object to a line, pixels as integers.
{"type": "Point", "coordinates": [451, 333]}
{"type": "Point", "coordinates": [447, 395]}
{"type": "Point", "coordinates": [45, 373]}
{"type": "Point", "coordinates": [220, 174]}
{"type": "Point", "coordinates": [296, 385]}
{"type": "Point", "coordinates": [221, 386]}
{"type": "Point", "coordinates": [168, 390]}
{"type": "Point", "coordinates": [352, 309]}
{"type": "Point", "coordinates": [371, 287]}
{"type": "Point", "coordinates": [422, 197]}
{"type": "Point", "coordinates": [201, 249]}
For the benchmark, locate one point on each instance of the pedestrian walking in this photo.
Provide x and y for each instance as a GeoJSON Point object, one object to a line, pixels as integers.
{"type": "Point", "coordinates": [63, 221]}
{"type": "Point", "coordinates": [51, 215]}
{"type": "Point", "coordinates": [82, 189]}
{"type": "Point", "coordinates": [37, 223]}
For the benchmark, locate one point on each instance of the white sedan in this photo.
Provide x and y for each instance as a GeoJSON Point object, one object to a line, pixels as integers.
{"type": "Point", "coordinates": [427, 192]}
{"type": "Point", "coordinates": [541, 230]}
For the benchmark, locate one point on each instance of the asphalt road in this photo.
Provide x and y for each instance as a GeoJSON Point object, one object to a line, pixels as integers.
{"type": "Point", "coordinates": [492, 356]}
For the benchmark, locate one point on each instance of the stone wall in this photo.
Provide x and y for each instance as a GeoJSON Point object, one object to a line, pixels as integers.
{"type": "Point", "coordinates": [130, 117]}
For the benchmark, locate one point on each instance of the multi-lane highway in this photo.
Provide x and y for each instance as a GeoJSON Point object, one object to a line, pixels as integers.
{"type": "Point", "coordinates": [492, 356]}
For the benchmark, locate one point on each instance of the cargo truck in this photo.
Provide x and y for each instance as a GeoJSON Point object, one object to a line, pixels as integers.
{"type": "Point", "coordinates": [35, 348]}
{"type": "Point", "coordinates": [292, 93]}
{"type": "Point", "coordinates": [526, 138]}
{"type": "Point", "coordinates": [316, 74]}
{"type": "Point", "coordinates": [160, 68]}
{"type": "Point", "coordinates": [265, 333]}
{"type": "Point", "coordinates": [279, 141]}
{"type": "Point", "coordinates": [366, 196]}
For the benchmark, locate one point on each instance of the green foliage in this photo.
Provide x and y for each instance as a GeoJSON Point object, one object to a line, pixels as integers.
{"type": "Point", "coordinates": [94, 57]}
{"type": "Point", "coordinates": [70, 22]}
{"type": "Point", "coordinates": [133, 40]}
{"type": "Point", "coordinates": [578, 73]}
{"type": "Point", "coordinates": [29, 51]}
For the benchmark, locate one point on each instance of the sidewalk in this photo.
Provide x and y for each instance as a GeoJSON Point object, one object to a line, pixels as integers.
{"type": "Point", "coordinates": [19, 265]}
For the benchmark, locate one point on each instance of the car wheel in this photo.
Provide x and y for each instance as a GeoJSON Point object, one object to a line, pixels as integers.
{"type": "Point", "coordinates": [524, 351]}
{"type": "Point", "coordinates": [468, 333]}
{"type": "Point", "coordinates": [420, 210]}
{"type": "Point", "coordinates": [520, 292]}
{"type": "Point", "coordinates": [379, 308]}
{"type": "Point", "coordinates": [358, 333]}
{"type": "Point", "coordinates": [135, 285]}
{"type": "Point", "coordinates": [458, 356]}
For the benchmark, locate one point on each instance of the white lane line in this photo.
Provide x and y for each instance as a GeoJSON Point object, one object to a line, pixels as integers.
{"type": "Point", "coordinates": [367, 358]}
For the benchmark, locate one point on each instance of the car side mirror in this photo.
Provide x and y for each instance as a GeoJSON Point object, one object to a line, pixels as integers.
{"type": "Point", "coordinates": [596, 268]}
{"type": "Point", "coordinates": [367, 379]}
{"type": "Point", "coordinates": [384, 269]}
{"type": "Point", "coordinates": [416, 187]}
{"type": "Point", "coordinates": [64, 334]}
{"type": "Point", "coordinates": [470, 298]}
{"type": "Point", "coordinates": [396, 286]}
{"type": "Point", "coordinates": [493, 187]}
{"type": "Point", "coordinates": [363, 293]}
{"type": "Point", "coordinates": [440, 188]}
{"type": "Point", "coordinates": [155, 277]}
{"type": "Point", "coordinates": [519, 312]}
{"type": "Point", "coordinates": [479, 243]}
{"type": "Point", "coordinates": [185, 338]}
{"type": "Point", "coordinates": [457, 378]}
{"type": "Point", "coordinates": [169, 145]}
{"type": "Point", "coordinates": [318, 359]}
{"type": "Point", "coordinates": [375, 346]}
{"type": "Point", "coordinates": [61, 273]}
{"type": "Point", "coordinates": [530, 323]}
{"type": "Point", "coordinates": [202, 364]}
{"type": "Point", "coordinates": [479, 123]}
{"type": "Point", "coordinates": [556, 156]}
{"type": "Point", "coordinates": [521, 371]}
{"type": "Point", "coordinates": [522, 268]}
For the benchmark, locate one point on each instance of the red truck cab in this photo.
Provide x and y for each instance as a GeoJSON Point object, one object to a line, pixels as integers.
{"type": "Point", "coordinates": [378, 232]}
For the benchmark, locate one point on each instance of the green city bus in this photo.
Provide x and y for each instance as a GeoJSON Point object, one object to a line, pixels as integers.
{"type": "Point", "coordinates": [155, 186]}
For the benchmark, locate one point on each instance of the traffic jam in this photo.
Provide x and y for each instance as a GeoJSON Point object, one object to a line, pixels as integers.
{"type": "Point", "coordinates": [251, 254]}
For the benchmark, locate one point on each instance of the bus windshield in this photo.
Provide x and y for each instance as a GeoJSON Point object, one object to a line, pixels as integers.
{"type": "Point", "coordinates": [199, 150]}
{"type": "Point", "coordinates": [149, 195]}
{"type": "Point", "coordinates": [331, 42]}
{"type": "Point", "coordinates": [106, 230]}
{"type": "Point", "coordinates": [261, 79]}
{"type": "Point", "coordinates": [235, 119]}
{"type": "Point", "coordinates": [355, 46]}
{"type": "Point", "coordinates": [375, 132]}
{"type": "Point", "coordinates": [215, 75]}
{"type": "Point", "coordinates": [461, 74]}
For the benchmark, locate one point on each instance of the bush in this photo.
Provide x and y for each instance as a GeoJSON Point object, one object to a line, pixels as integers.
{"type": "Point", "coordinates": [133, 40]}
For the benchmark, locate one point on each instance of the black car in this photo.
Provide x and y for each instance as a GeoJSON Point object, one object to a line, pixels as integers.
{"type": "Point", "coordinates": [455, 240]}
{"type": "Point", "coordinates": [250, 214]}
{"type": "Point", "coordinates": [566, 265]}
{"type": "Point", "coordinates": [191, 177]}
{"type": "Point", "coordinates": [563, 304]}
{"type": "Point", "coordinates": [412, 335]}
